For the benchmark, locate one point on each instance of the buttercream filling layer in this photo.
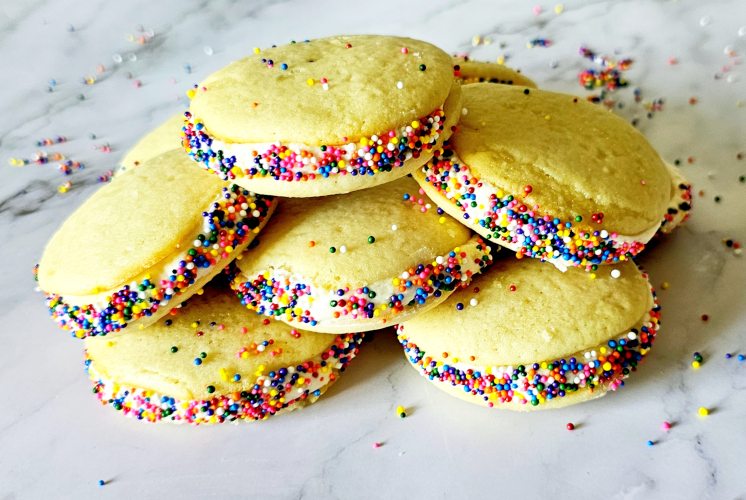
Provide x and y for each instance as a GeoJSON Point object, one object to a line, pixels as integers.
{"type": "Point", "coordinates": [281, 294]}
{"type": "Point", "coordinates": [525, 229]}
{"type": "Point", "coordinates": [271, 392]}
{"type": "Point", "coordinates": [235, 216]}
{"type": "Point", "coordinates": [543, 381]}
{"type": "Point", "coordinates": [302, 162]}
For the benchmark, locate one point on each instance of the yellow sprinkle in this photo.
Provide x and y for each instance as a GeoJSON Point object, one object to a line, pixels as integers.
{"type": "Point", "coordinates": [607, 366]}
{"type": "Point", "coordinates": [109, 344]}
{"type": "Point", "coordinates": [547, 118]}
{"type": "Point", "coordinates": [455, 360]}
{"type": "Point", "coordinates": [695, 364]}
{"type": "Point", "coordinates": [704, 411]}
{"type": "Point", "coordinates": [256, 50]}
{"type": "Point", "coordinates": [310, 81]}
{"type": "Point", "coordinates": [191, 93]}
{"type": "Point", "coordinates": [665, 285]}
{"type": "Point", "coordinates": [194, 325]}
{"type": "Point", "coordinates": [442, 220]}
{"type": "Point", "coordinates": [593, 276]}
{"type": "Point", "coordinates": [399, 409]}
{"type": "Point", "coordinates": [501, 60]}
{"type": "Point", "coordinates": [559, 8]}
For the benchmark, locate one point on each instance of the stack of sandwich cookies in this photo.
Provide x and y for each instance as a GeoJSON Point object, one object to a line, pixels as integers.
{"type": "Point", "coordinates": [468, 71]}
{"type": "Point", "coordinates": [215, 362]}
{"type": "Point", "coordinates": [161, 140]}
{"type": "Point", "coordinates": [534, 337]}
{"type": "Point", "coordinates": [324, 117]}
{"type": "Point", "coordinates": [553, 177]}
{"type": "Point", "coordinates": [359, 261]}
{"type": "Point", "coordinates": [145, 243]}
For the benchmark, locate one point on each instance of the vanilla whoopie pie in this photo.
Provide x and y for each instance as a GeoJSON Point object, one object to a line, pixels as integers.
{"type": "Point", "coordinates": [527, 336]}
{"type": "Point", "coordinates": [144, 243]}
{"type": "Point", "coordinates": [358, 261]}
{"type": "Point", "coordinates": [553, 177]}
{"type": "Point", "coordinates": [324, 116]}
{"type": "Point", "coordinates": [215, 362]}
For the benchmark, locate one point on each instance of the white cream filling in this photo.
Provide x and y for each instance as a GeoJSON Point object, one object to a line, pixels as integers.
{"type": "Point", "coordinates": [316, 299]}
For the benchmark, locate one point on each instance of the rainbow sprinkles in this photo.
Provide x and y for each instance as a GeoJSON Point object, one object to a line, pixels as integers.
{"type": "Point", "coordinates": [301, 162]}
{"type": "Point", "coordinates": [503, 218]}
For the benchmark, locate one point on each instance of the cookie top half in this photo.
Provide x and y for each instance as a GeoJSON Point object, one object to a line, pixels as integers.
{"type": "Point", "coordinates": [128, 226]}
{"type": "Point", "coordinates": [328, 91]}
{"type": "Point", "coordinates": [565, 155]}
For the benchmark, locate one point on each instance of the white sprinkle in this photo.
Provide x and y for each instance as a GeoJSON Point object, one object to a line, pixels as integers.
{"type": "Point", "coordinates": [473, 302]}
{"type": "Point", "coordinates": [616, 273]}
{"type": "Point", "coordinates": [208, 50]}
{"type": "Point", "coordinates": [604, 234]}
{"type": "Point", "coordinates": [325, 86]}
{"type": "Point", "coordinates": [728, 49]}
{"type": "Point", "coordinates": [393, 228]}
{"type": "Point", "coordinates": [705, 21]}
{"type": "Point", "coordinates": [405, 275]}
{"type": "Point", "coordinates": [733, 77]}
{"type": "Point", "coordinates": [117, 58]}
{"type": "Point", "coordinates": [132, 57]}
{"type": "Point", "coordinates": [399, 85]}
{"type": "Point", "coordinates": [464, 111]}
{"type": "Point", "coordinates": [742, 31]}
{"type": "Point", "coordinates": [343, 249]}
{"type": "Point", "coordinates": [632, 335]}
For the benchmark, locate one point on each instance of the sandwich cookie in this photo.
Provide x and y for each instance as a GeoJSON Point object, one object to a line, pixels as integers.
{"type": "Point", "coordinates": [358, 262]}
{"type": "Point", "coordinates": [161, 140]}
{"type": "Point", "coordinates": [550, 176]}
{"type": "Point", "coordinates": [144, 243]}
{"type": "Point", "coordinates": [467, 71]}
{"type": "Point", "coordinates": [215, 362]}
{"type": "Point", "coordinates": [534, 337]}
{"type": "Point", "coordinates": [680, 204]}
{"type": "Point", "coordinates": [324, 117]}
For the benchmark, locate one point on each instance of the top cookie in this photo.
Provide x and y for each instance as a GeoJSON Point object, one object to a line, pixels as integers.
{"type": "Point", "coordinates": [578, 159]}
{"type": "Point", "coordinates": [469, 71]}
{"type": "Point", "coordinates": [324, 92]}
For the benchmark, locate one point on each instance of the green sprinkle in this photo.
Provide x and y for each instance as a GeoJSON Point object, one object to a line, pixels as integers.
{"type": "Point", "coordinates": [210, 389]}
{"type": "Point", "coordinates": [174, 349]}
{"type": "Point", "coordinates": [203, 355]}
{"type": "Point", "coordinates": [332, 249]}
{"type": "Point", "coordinates": [371, 239]}
{"type": "Point", "coordinates": [578, 218]}
{"type": "Point", "coordinates": [423, 67]}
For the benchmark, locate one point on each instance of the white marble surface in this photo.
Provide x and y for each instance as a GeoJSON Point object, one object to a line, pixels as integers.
{"type": "Point", "coordinates": [57, 442]}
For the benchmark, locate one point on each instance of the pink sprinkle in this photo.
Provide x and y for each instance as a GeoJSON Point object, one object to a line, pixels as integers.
{"type": "Point", "coordinates": [376, 445]}
{"type": "Point", "coordinates": [323, 80]}
{"type": "Point", "coordinates": [221, 327]}
{"type": "Point", "coordinates": [404, 50]}
{"type": "Point", "coordinates": [244, 330]}
{"type": "Point", "coordinates": [666, 426]}
{"type": "Point", "coordinates": [643, 183]}
{"type": "Point", "coordinates": [537, 10]}
{"type": "Point", "coordinates": [137, 84]}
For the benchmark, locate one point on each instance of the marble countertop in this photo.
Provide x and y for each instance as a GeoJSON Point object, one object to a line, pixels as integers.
{"type": "Point", "coordinates": [56, 441]}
